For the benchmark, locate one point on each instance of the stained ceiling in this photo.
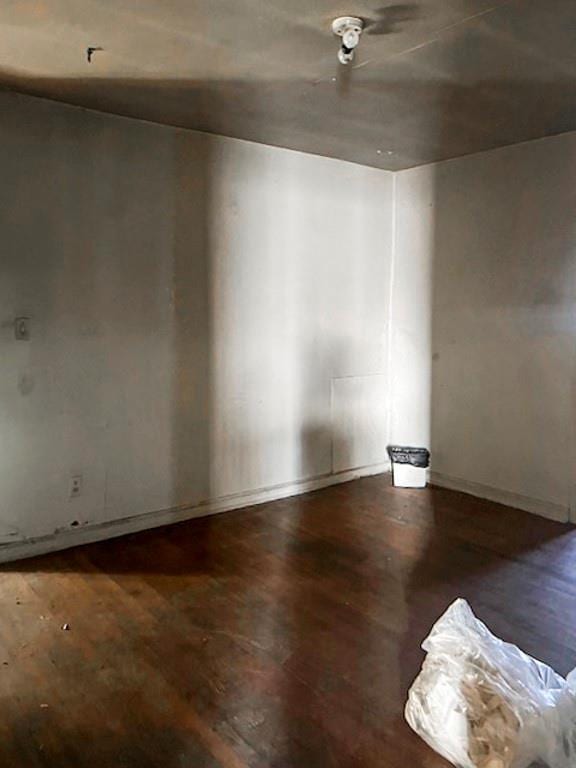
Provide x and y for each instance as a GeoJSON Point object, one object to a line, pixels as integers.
{"type": "Point", "coordinates": [431, 80]}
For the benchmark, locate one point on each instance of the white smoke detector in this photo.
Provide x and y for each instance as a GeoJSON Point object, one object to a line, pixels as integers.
{"type": "Point", "coordinates": [349, 28]}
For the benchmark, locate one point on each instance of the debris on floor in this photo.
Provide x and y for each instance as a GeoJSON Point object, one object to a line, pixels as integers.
{"type": "Point", "coordinates": [483, 703]}
{"type": "Point", "coordinates": [66, 627]}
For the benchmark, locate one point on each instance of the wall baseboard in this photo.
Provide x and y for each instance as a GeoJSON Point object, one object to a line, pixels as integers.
{"type": "Point", "coordinates": [64, 539]}
{"type": "Point", "coordinates": [548, 509]}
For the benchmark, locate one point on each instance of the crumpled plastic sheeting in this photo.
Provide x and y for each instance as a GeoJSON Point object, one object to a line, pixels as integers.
{"type": "Point", "coordinates": [483, 703]}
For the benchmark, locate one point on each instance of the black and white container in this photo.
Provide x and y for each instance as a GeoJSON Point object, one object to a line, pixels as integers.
{"type": "Point", "coordinates": [409, 466]}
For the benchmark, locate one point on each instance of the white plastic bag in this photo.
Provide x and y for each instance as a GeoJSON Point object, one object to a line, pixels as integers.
{"type": "Point", "coordinates": [483, 703]}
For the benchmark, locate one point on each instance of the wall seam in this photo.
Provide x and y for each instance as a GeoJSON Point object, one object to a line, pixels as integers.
{"type": "Point", "coordinates": [390, 309]}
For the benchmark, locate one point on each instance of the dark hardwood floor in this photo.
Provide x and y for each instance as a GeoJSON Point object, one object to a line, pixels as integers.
{"type": "Point", "coordinates": [284, 635]}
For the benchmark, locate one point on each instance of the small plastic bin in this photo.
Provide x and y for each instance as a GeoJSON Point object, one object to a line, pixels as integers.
{"type": "Point", "coordinates": [409, 466]}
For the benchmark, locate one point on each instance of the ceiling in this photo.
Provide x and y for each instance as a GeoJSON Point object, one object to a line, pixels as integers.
{"type": "Point", "coordinates": [432, 79]}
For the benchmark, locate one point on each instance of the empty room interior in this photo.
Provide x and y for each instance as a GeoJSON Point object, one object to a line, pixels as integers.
{"type": "Point", "coordinates": [288, 384]}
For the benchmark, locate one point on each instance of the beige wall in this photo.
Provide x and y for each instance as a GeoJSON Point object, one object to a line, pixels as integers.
{"type": "Point", "coordinates": [209, 317]}
{"type": "Point", "coordinates": [484, 321]}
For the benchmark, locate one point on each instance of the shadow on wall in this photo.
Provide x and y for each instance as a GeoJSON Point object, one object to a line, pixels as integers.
{"type": "Point", "coordinates": [192, 312]}
{"type": "Point", "coordinates": [192, 296]}
{"type": "Point", "coordinates": [217, 442]}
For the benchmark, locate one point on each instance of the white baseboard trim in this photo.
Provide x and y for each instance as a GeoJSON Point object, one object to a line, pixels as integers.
{"type": "Point", "coordinates": [74, 537]}
{"type": "Point", "coordinates": [548, 509]}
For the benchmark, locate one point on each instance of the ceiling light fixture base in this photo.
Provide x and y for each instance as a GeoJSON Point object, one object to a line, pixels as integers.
{"type": "Point", "coordinates": [342, 23]}
{"type": "Point", "coordinates": [349, 28]}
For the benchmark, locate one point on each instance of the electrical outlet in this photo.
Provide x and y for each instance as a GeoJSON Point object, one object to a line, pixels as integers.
{"type": "Point", "coordinates": [75, 486]}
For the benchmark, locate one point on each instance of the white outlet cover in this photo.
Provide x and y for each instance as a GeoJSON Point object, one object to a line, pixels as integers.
{"type": "Point", "coordinates": [75, 486]}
